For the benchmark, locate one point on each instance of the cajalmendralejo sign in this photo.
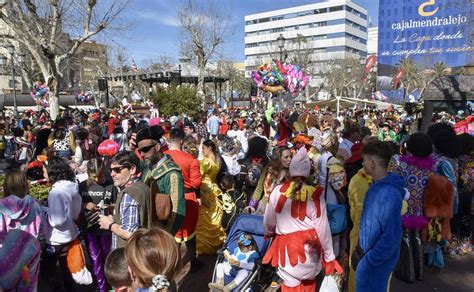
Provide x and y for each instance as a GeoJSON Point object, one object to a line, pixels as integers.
{"type": "Point", "coordinates": [428, 31]}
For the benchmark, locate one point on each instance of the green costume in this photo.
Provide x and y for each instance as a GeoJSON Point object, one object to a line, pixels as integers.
{"type": "Point", "coordinates": [382, 136]}
{"type": "Point", "coordinates": [165, 179]}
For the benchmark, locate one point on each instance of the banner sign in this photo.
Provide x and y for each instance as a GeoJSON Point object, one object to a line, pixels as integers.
{"type": "Point", "coordinates": [427, 31]}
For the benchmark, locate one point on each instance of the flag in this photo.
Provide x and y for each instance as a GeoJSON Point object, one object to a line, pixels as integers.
{"type": "Point", "coordinates": [398, 77]}
{"type": "Point", "coordinates": [370, 63]}
{"type": "Point", "coordinates": [134, 66]}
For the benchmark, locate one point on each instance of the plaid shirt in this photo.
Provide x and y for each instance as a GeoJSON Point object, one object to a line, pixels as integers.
{"type": "Point", "coordinates": [129, 216]}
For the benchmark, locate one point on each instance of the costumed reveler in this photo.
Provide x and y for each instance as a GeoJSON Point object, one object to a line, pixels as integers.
{"type": "Point", "coordinates": [415, 168]}
{"type": "Point", "coordinates": [296, 217]}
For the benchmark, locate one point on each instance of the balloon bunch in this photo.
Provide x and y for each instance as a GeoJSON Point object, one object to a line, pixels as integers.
{"type": "Point", "coordinates": [85, 97]}
{"type": "Point", "coordinates": [40, 93]}
{"type": "Point", "coordinates": [277, 77]}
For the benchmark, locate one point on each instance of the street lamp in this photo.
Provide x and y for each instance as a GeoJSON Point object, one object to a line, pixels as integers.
{"type": "Point", "coordinates": [20, 60]}
{"type": "Point", "coordinates": [281, 44]}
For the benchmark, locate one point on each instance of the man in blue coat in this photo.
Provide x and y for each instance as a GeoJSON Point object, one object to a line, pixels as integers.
{"type": "Point", "coordinates": [380, 224]}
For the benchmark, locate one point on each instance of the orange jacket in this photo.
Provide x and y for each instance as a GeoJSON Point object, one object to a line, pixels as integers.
{"type": "Point", "coordinates": [189, 168]}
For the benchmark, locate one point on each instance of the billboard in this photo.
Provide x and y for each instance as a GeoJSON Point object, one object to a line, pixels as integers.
{"type": "Point", "coordinates": [427, 31]}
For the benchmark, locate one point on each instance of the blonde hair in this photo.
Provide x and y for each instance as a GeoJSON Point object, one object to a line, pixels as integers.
{"type": "Point", "coordinates": [152, 252]}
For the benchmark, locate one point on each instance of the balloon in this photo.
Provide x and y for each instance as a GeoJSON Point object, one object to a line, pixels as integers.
{"type": "Point", "coordinates": [281, 68]}
{"type": "Point", "coordinates": [278, 75]}
{"type": "Point", "coordinates": [273, 89]}
{"type": "Point", "coordinates": [108, 148]}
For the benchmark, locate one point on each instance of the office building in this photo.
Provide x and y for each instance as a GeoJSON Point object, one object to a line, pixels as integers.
{"type": "Point", "coordinates": [314, 34]}
{"type": "Point", "coordinates": [372, 40]}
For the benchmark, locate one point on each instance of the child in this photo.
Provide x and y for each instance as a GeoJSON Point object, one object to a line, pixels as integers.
{"type": "Point", "coordinates": [153, 260]}
{"type": "Point", "coordinates": [97, 199]}
{"type": "Point", "coordinates": [116, 270]}
{"type": "Point", "coordinates": [230, 201]}
{"type": "Point", "coordinates": [240, 263]}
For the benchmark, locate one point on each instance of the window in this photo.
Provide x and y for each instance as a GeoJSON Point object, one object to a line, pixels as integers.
{"type": "Point", "coordinates": [319, 37]}
{"type": "Point", "coordinates": [278, 29]}
{"type": "Point", "coordinates": [10, 84]}
{"type": "Point", "coordinates": [304, 26]}
{"type": "Point", "coordinates": [336, 8]}
{"type": "Point", "coordinates": [252, 45]}
{"type": "Point", "coordinates": [262, 20]}
{"type": "Point", "coordinates": [319, 11]}
{"type": "Point", "coordinates": [336, 35]}
{"type": "Point", "coordinates": [319, 24]}
{"type": "Point", "coordinates": [319, 50]}
{"type": "Point", "coordinates": [276, 18]}
{"type": "Point", "coordinates": [250, 34]}
{"type": "Point", "coordinates": [305, 13]}
{"type": "Point", "coordinates": [249, 22]}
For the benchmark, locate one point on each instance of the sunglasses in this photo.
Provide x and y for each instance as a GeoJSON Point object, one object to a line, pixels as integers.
{"type": "Point", "coordinates": [146, 149]}
{"type": "Point", "coordinates": [117, 169]}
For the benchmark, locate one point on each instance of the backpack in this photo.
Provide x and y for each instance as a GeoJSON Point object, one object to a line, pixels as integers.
{"type": "Point", "coordinates": [254, 171]}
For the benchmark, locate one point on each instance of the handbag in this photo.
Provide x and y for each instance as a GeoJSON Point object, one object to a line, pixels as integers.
{"type": "Point", "coordinates": [337, 213]}
{"type": "Point", "coordinates": [329, 284]}
{"type": "Point", "coordinates": [405, 269]}
{"type": "Point", "coordinates": [357, 256]}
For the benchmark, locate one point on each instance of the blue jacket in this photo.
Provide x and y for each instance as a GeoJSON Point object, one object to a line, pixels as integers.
{"type": "Point", "coordinates": [380, 233]}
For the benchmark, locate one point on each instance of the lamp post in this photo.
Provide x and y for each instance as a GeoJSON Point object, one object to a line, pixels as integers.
{"type": "Point", "coordinates": [3, 61]}
{"type": "Point", "coordinates": [281, 44]}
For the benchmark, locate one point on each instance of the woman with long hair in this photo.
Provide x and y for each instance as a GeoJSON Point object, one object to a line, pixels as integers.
{"type": "Point", "coordinates": [253, 165]}
{"type": "Point", "coordinates": [297, 220]}
{"type": "Point", "coordinates": [275, 173]}
{"type": "Point", "coordinates": [153, 260]}
{"type": "Point", "coordinates": [62, 140]}
{"type": "Point", "coordinates": [209, 233]}
{"type": "Point", "coordinates": [331, 175]}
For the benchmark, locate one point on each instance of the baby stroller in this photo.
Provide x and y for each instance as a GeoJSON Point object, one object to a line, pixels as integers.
{"type": "Point", "coordinates": [253, 225]}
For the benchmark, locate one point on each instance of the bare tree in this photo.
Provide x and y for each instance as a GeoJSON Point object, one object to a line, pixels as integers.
{"type": "Point", "coordinates": [345, 77]}
{"type": "Point", "coordinates": [40, 26]}
{"type": "Point", "coordinates": [299, 52]}
{"type": "Point", "coordinates": [205, 30]}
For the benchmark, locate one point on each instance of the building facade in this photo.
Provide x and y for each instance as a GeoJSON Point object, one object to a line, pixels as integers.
{"type": "Point", "coordinates": [372, 40]}
{"type": "Point", "coordinates": [321, 32]}
{"type": "Point", "coordinates": [90, 64]}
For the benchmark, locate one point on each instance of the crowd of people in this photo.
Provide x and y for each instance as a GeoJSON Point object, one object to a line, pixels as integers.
{"type": "Point", "coordinates": [362, 196]}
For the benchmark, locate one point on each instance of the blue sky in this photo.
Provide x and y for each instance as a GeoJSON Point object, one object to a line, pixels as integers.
{"type": "Point", "coordinates": [154, 29]}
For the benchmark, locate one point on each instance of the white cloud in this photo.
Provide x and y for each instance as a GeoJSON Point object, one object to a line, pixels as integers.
{"type": "Point", "coordinates": [163, 17]}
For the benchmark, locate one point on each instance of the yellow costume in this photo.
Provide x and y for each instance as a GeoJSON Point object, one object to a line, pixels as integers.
{"type": "Point", "coordinates": [209, 233]}
{"type": "Point", "coordinates": [358, 187]}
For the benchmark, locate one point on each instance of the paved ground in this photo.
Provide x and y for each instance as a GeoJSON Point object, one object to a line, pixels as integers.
{"type": "Point", "coordinates": [457, 276]}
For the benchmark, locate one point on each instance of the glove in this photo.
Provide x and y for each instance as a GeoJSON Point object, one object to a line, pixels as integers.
{"type": "Point", "coordinates": [329, 267]}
